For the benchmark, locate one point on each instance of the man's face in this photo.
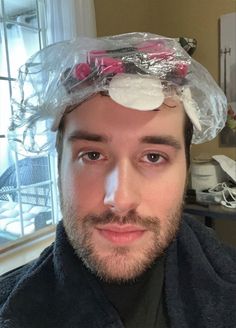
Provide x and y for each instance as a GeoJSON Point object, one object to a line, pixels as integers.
{"type": "Point", "coordinates": [122, 181]}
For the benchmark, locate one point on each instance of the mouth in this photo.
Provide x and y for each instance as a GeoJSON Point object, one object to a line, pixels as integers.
{"type": "Point", "coordinates": [121, 234]}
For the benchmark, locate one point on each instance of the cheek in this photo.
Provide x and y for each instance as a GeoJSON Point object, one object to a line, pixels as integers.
{"type": "Point", "coordinates": [82, 189]}
{"type": "Point", "coordinates": [165, 193]}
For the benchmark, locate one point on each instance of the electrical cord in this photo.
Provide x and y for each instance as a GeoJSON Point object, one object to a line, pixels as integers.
{"type": "Point", "coordinates": [228, 194]}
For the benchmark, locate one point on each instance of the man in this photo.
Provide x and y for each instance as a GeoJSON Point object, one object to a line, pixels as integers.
{"type": "Point", "coordinates": [125, 110]}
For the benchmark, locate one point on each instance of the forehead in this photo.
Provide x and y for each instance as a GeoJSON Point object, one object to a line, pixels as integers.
{"type": "Point", "coordinates": [101, 114]}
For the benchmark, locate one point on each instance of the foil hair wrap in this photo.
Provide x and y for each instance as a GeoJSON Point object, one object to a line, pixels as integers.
{"type": "Point", "coordinates": [137, 70]}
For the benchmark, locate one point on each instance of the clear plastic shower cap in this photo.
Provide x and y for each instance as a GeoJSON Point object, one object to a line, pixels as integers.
{"type": "Point", "coordinates": [137, 70]}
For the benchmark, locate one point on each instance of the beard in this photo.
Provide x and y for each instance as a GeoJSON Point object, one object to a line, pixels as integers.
{"type": "Point", "coordinates": [119, 263]}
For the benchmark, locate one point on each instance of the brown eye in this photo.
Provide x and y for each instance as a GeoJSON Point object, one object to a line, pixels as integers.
{"type": "Point", "coordinates": [93, 155]}
{"type": "Point", "coordinates": [153, 157]}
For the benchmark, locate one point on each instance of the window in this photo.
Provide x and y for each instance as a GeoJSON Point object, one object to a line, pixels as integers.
{"type": "Point", "coordinates": [28, 194]}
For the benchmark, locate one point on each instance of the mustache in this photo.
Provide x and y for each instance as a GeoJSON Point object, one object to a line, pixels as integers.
{"type": "Point", "coordinates": [148, 222]}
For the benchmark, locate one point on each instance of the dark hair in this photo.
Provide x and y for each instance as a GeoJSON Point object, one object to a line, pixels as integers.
{"type": "Point", "coordinates": [188, 133]}
{"type": "Point", "coordinates": [59, 144]}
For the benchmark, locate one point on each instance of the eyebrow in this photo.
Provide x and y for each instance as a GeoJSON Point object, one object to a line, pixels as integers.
{"type": "Point", "coordinates": [157, 140]}
{"type": "Point", "coordinates": [87, 136]}
{"type": "Point", "coordinates": [162, 140]}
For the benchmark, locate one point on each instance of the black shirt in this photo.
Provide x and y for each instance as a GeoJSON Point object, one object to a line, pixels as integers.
{"type": "Point", "coordinates": [140, 303]}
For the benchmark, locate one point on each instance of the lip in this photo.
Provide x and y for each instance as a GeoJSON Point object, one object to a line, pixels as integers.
{"type": "Point", "coordinates": [121, 234]}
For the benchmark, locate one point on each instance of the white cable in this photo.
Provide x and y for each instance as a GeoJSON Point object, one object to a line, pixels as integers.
{"type": "Point", "coordinates": [226, 192]}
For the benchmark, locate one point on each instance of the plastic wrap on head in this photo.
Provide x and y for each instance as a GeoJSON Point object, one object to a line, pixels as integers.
{"type": "Point", "coordinates": [58, 78]}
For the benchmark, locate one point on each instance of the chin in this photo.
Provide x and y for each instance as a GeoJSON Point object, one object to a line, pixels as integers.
{"type": "Point", "coordinates": [121, 264]}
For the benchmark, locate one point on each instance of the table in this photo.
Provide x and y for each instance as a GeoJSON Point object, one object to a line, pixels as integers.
{"type": "Point", "coordinates": [210, 212]}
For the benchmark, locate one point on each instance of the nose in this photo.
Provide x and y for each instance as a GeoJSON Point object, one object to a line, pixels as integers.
{"type": "Point", "coordinates": [122, 193]}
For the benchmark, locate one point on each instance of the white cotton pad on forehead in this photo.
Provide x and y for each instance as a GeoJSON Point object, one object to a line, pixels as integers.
{"type": "Point", "coordinates": [137, 92]}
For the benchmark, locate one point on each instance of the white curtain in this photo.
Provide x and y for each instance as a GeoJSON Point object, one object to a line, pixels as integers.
{"type": "Point", "coordinates": [68, 19]}
{"type": "Point", "coordinates": [23, 42]}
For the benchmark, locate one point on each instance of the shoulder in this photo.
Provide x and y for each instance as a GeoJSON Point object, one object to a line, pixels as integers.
{"type": "Point", "coordinates": [200, 245]}
{"type": "Point", "coordinates": [10, 280]}
{"type": "Point", "coordinates": [204, 235]}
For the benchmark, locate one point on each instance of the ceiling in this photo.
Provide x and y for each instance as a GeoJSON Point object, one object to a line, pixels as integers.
{"type": "Point", "coordinates": [16, 7]}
